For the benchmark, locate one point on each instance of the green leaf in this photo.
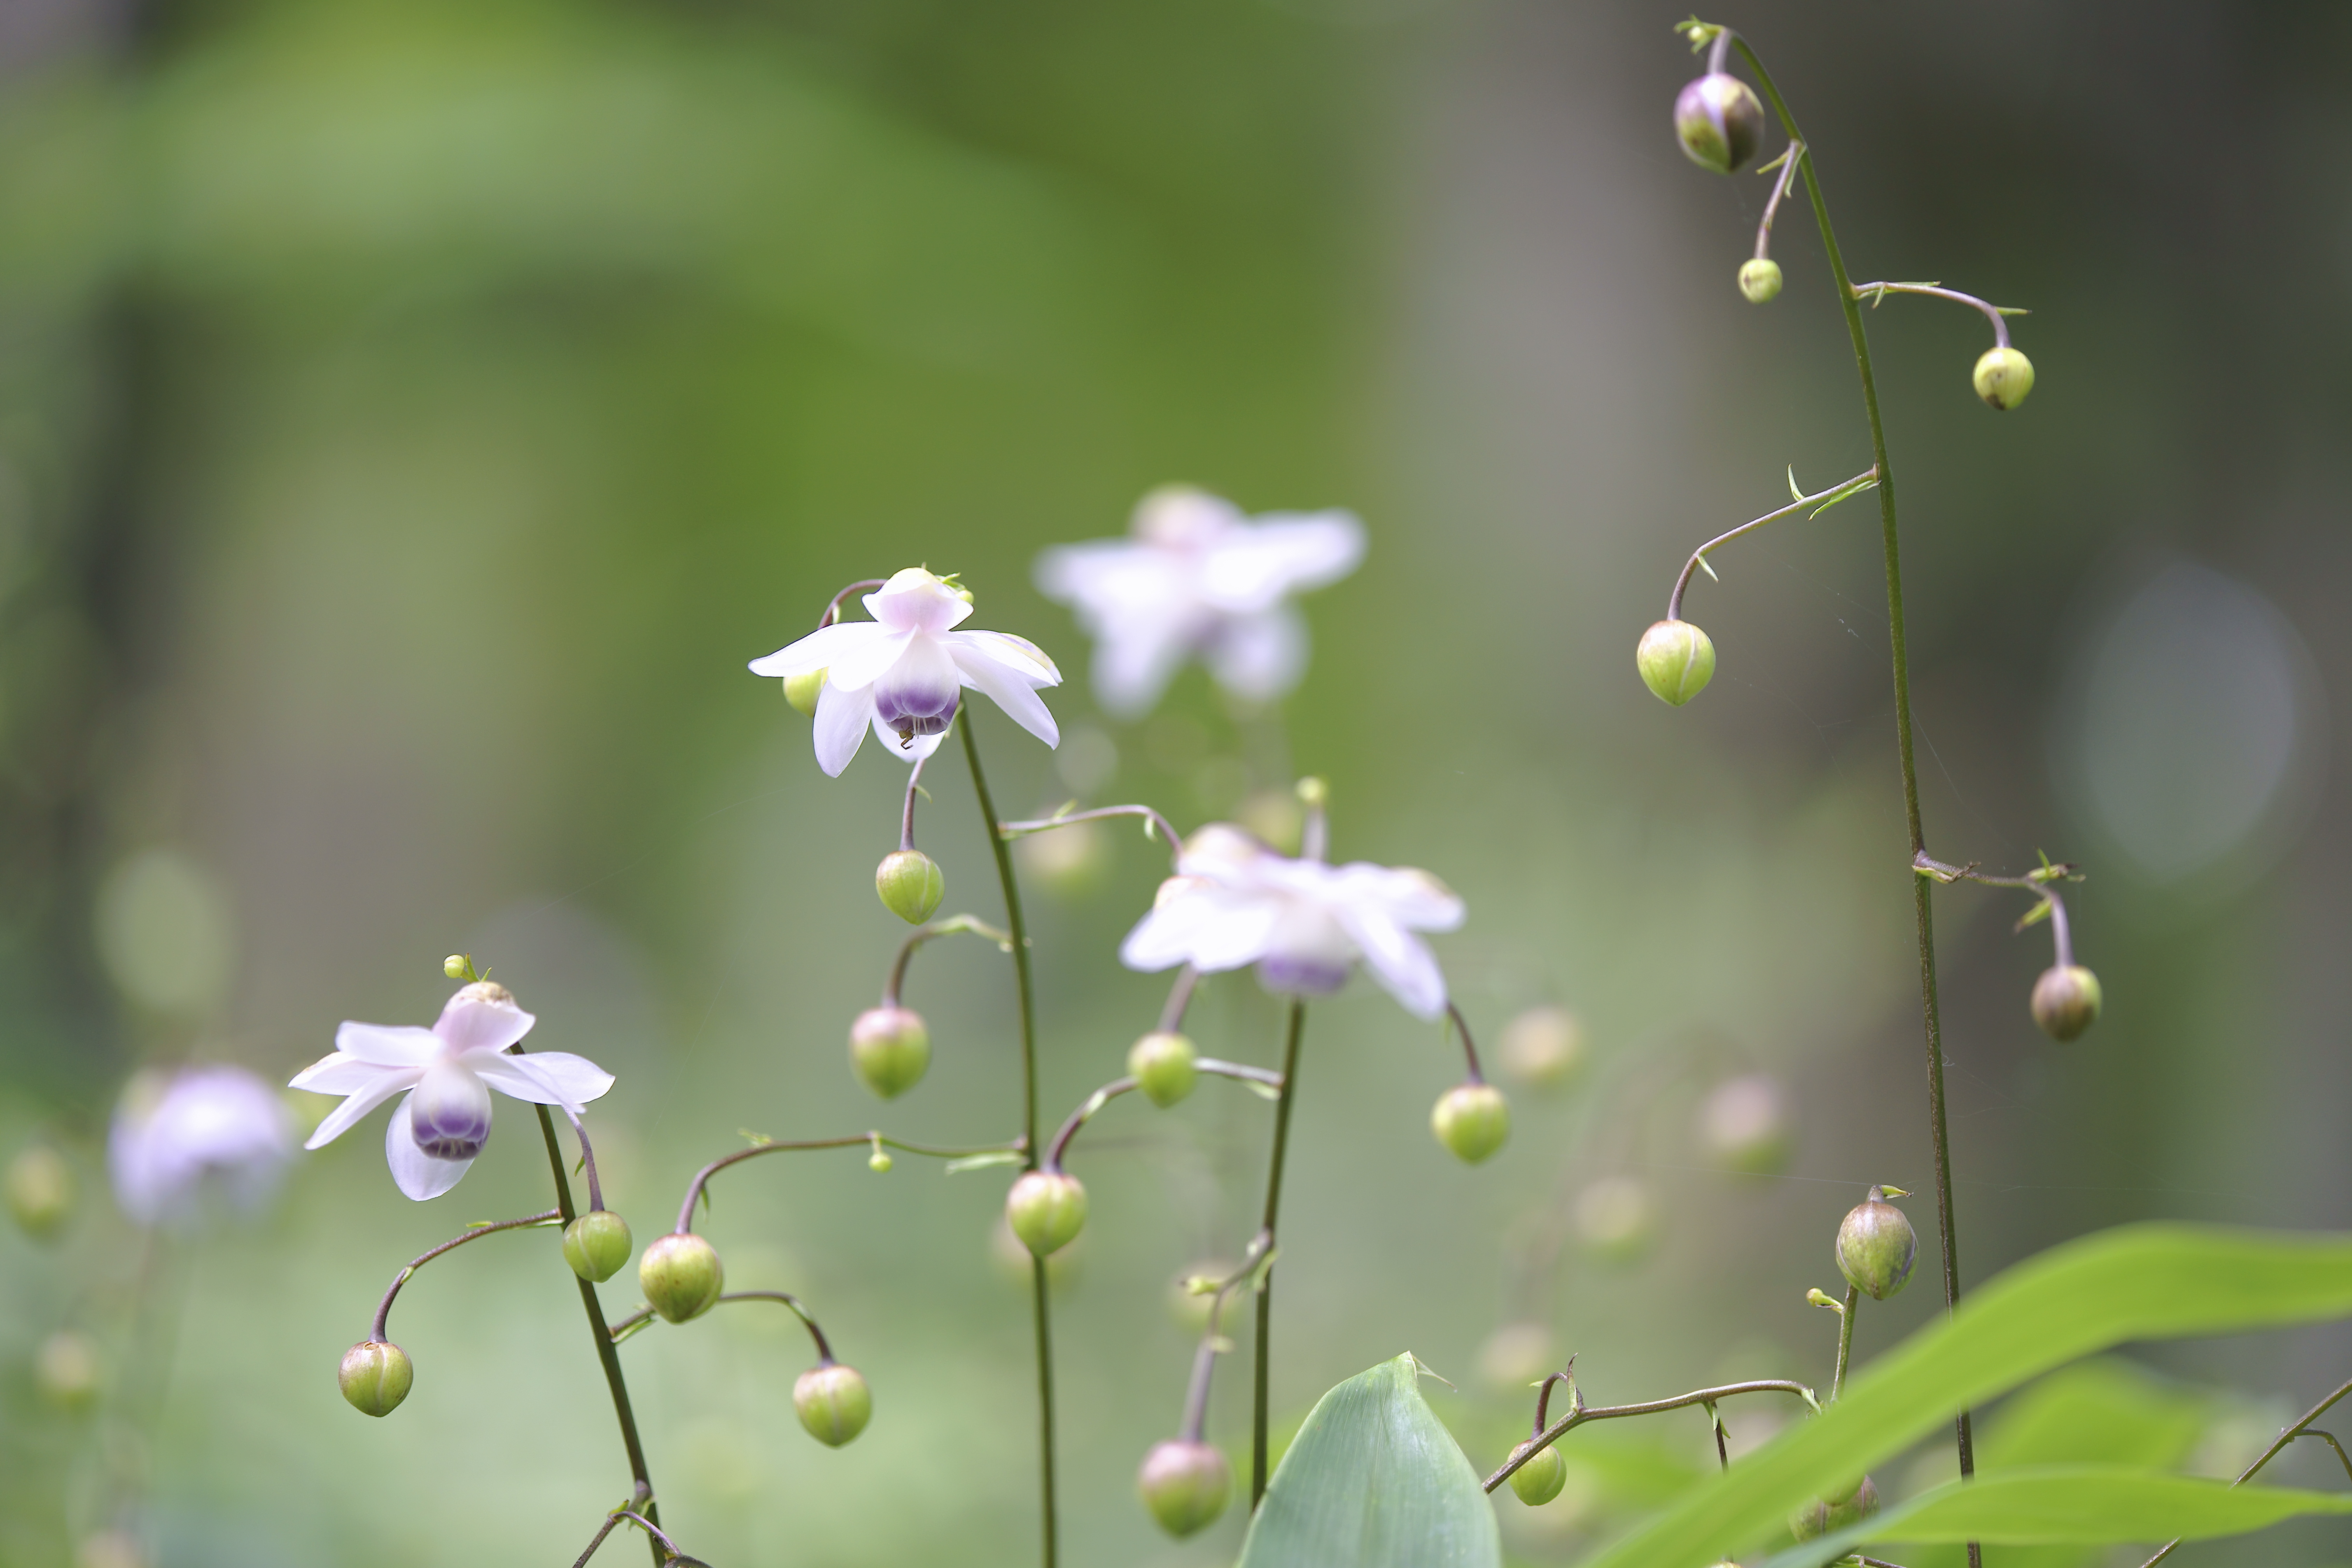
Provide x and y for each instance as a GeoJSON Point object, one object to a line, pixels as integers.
{"type": "Point", "coordinates": [1374, 1481]}
{"type": "Point", "coordinates": [2136, 1282]}
{"type": "Point", "coordinates": [2073, 1502]}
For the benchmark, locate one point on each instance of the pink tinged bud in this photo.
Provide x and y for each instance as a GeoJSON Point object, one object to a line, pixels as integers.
{"type": "Point", "coordinates": [1876, 1247]}
{"type": "Point", "coordinates": [596, 1244]}
{"type": "Point", "coordinates": [834, 1403]}
{"type": "Point", "coordinates": [1047, 1209]}
{"type": "Point", "coordinates": [2066, 1001]}
{"type": "Point", "coordinates": [1745, 1124]}
{"type": "Point", "coordinates": [1185, 1485]}
{"type": "Point", "coordinates": [1676, 661]}
{"type": "Point", "coordinates": [39, 1191]}
{"type": "Point", "coordinates": [890, 1048]}
{"type": "Point", "coordinates": [1162, 1065]}
{"type": "Point", "coordinates": [376, 1376]}
{"type": "Point", "coordinates": [1472, 1119]}
{"type": "Point", "coordinates": [1539, 1480]}
{"type": "Point", "coordinates": [910, 885]}
{"type": "Point", "coordinates": [681, 1276]}
{"type": "Point", "coordinates": [1719, 122]}
{"type": "Point", "coordinates": [1822, 1516]}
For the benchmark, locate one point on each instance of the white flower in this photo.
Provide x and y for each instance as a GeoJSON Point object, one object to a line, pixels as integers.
{"type": "Point", "coordinates": [903, 672]}
{"type": "Point", "coordinates": [179, 1136]}
{"type": "Point", "coordinates": [1305, 924]}
{"type": "Point", "coordinates": [1197, 578]}
{"type": "Point", "coordinates": [448, 1072]}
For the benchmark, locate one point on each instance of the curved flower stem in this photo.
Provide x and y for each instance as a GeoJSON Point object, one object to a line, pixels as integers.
{"type": "Point", "coordinates": [2041, 883]}
{"type": "Point", "coordinates": [1780, 191]}
{"type": "Point", "coordinates": [937, 929]}
{"type": "Point", "coordinates": [475, 1233]}
{"type": "Point", "coordinates": [1845, 1341]}
{"type": "Point", "coordinates": [854, 1141]}
{"type": "Point", "coordinates": [614, 1384]}
{"type": "Point", "coordinates": [907, 816]}
{"type": "Point", "coordinates": [1152, 823]}
{"type": "Point", "coordinates": [1000, 840]}
{"type": "Point", "coordinates": [1820, 503]}
{"type": "Point", "coordinates": [587, 1158]}
{"type": "Point", "coordinates": [612, 1523]}
{"type": "Point", "coordinates": [1118, 1086]}
{"type": "Point", "coordinates": [651, 1530]}
{"type": "Point", "coordinates": [1922, 905]}
{"type": "Point", "coordinates": [1213, 1343]}
{"type": "Point", "coordinates": [1296, 1032]}
{"type": "Point", "coordinates": [1876, 294]}
{"type": "Point", "coordinates": [1179, 998]}
{"type": "Point", "coordinates": [1469, 1050]}
{"type": "Point", "coordinates": [2267, 1455]}
{"type": "Point", "coordinates": [1581, 1413]}
{"type": "Point", "coordinates": [833, 607]}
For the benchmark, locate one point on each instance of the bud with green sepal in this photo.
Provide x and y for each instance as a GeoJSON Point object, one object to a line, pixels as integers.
{"type": "Point", "coordinates": [1760, 278]}
{"type": "Point", "coordinates": [1185, 1483]}
{"type": "Point", "coordinates": [596, 1244]}
{"type": "Point", "coordinates": [1472, 1119]}
{"type": "Point", "coordinates": [1822, 1516]}
{"type": "Point", "coordinates": [1047, 1209]}
{"type": "Point", "coordinates": [890, 1048]}
{"type": "Point", "coordinates": [376, 1376]}
{"type": "Point", "coordinates": [39, 1191]}
{"type": "Point", "coordinates": [1676, 661]}
{"type": "Point", "coordinates": [833, 1403]}
{"type": "Point", "coordinates": [1540, 1479]}
{"type": "Point", "coordinates": [2003, 377]}
{"type": "Point", "coordinates": [1877, 1246]}
{"type": "Point", "coordinates": [802, 690]}
{"type": "Point", "coordinates": [1719, 122]}
{"type": "Point", "coordinates": [1162, 1064]}
{"type": "Point", "coordinates": [2066, 1001]}
{"type": "Point", "coordinates": [910, 885]}
{"type": "Point", "coordinates": [681, 1276]}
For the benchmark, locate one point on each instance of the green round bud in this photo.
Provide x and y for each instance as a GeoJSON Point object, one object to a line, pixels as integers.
{"type": "Point", "coordinates": [1539, 1480]}
{"type": "Point", "coordinates": [40, 1189]}
{"type": "Point", "coordinates": [890, 1048]}
{"type": "Point", "coordinates": [1185, 1485]}
{"type": "Point", "coordinates": [878, 1161]}
{"type": "Point", "coordinates": [1676, 661]}
{"type": "Point", "coordinates": [1876, 1247]}
{"type": "Point", "coordinates": [1162, 1064]}
{"type": "Point", "coordinates": [2066, 1001]}
{"type": "Point", "coordinates": [1744, 1124]}
{"type": "Point", "coordinates": [1822, 1515]}
{"type": "Point", "coordinates": [375, 1375]}
{"type": "Point", "coordinates": [596, 1244]}
{"type": "Point", "coordinates": [1046, 1209]}
{"type": "Point", "coordinates": [832, 1402]}
{"type": "Point", "coordinates": [1544, 1047]}
{"type": "Point", "coordinates": [910, 885]}
{"type": "Point", "coordinates": [456, 966]}
{"type": "Point", "coordinates": [681, 1276]}
{"type": "Point", "coordinates": [1472, 1119]}
{"type": "Point", "coordinates": [1719, 122]}
{"type": "Point", "coordinates": [2003, 377]}
{"type": "Point", "coordinates": [1760, 278]}
{"type": "Point", "coordinates": [801, 690]}
{"type": "Point", "coordinates": [64, 1370]}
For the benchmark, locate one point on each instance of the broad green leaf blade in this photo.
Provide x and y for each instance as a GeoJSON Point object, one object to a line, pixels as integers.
{"type": "Point", "coordinates": [1374, 1481]}
{"type": "Point", "coordinates": [2074, 1503]}
{"type": "Point", "coordinates": [2136, 1282]}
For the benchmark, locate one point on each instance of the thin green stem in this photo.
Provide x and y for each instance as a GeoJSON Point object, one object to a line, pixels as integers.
{"type": "Point", "coordinates": [1040, 1309]}
{"type": "Point", "coordinates": [1297, 1032]}
{"type": "Point", "coordinates": [2267, 1455]}
{"type": "Point", "coordinates": [606, 1352]}
{"type": "Point", "coordinates": [1922, 905]}
{"type": "Point", "coordinates": [1580, 1412]}
{"type": "Point", "coordinates": [1846, 1343]}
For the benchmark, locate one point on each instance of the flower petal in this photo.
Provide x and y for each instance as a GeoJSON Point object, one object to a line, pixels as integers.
{"type": "Point", "coordinates": [915, 600]}
{"type": "Point", "coordinates": [820, 649]}
{"type": "Point", "coordinates": [911, 751]}
{"type": "Point", "coordinates": [340, 1074]}
{"type": "Point", "coordinates": [415, 1172]}
{"type": "Point", "coordinates": [1009, 678]}
{"type": "Point", "coordinates": [339, 1120]}
{"type": "Point", "coordinates": [386, 1045]}
{"type": "Point", "coordinates": [1260, 655]}
{"type": "Point", "coordinates": [840, 726]}
{"type": "Point", "coordinates": [869, 660]}
{"type": "Point", "coordinates": [542, 1078]}
{"type": "Point", "coordinates": [1411, 897]}
{"type": "Point", "coordinates": [1252, 568]}
{"type": "Point", "coordinates": [1204, 926]}
{"type": "Point", "coordinates": [1399, 961]}
{"type": "Point", "coordinates": [478, 1024]}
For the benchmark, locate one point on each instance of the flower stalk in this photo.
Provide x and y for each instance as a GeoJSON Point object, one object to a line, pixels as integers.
{"type": "Point", "coordinates": [1294, 1035]}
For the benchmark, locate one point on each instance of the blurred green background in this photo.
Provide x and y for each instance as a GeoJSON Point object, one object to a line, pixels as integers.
{"type": "Point", "coordinates": [412, 415]}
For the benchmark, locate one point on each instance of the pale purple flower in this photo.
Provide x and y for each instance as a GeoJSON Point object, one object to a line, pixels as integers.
{"type": "Point", "coordinates": [903, 673]}
{"type": "Point", "coordinates": [1197, 578]}
{"type": "Point", "coordinates": [1305, 924]}
{"type": "Point", "coordinates": [447, 1073]}
{"type": "Point", "coordinates": [181, 1137]}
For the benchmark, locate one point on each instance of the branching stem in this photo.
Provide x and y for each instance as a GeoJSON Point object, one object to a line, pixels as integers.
{"type": "Point", "coordinates": [1579, 1413]}
{"type": "Point", "coordinates": [1152, 823]}
{"type": "Point", "coordinates": [1828, 498]}
{"type": "Point", "coordinates": [932, 932]}
{"type": "Point", "coordinates": [852, 1141]}
{"type": "Point", "coordinates": [1876, 294]}
{"type": "Point", "coordinates": [474, 1233]}
{"type": "Point", "coordinates": [2273, 1452]}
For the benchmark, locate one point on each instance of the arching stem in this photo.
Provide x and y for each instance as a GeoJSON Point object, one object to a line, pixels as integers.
{"type": "Point", "coordinates": [384, 1309]}
{"type": "Point", "coordinates": [1297, 1031]}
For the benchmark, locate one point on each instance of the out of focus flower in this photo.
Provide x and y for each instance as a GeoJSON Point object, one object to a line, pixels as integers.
{"type": "Point", "coordinates": [1305, 924]}
{"type": "Point", "coordinates": [1199, 578]}
{"type": "Point", "coordinates": [903, 672]}
{"type": "Point", "coordinates": [181, 1137]}
{"type": "Point", "coordinates": [447, 1073]}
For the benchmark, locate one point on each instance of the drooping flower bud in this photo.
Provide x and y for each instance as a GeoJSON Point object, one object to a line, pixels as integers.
{"type": "Point", "coordinates": [801, 690]}
{"type": "Point", "coordinates": [1745, 1124]}
{"type": "Point", "coordinates": [1162, 1064]}
{"type": "Point", "coordinates": [1544, 1047]}
{"type": "Point", "coordinates": [832, 1402]}
{"type": "Point", "coordinates": [878, 1161]}
{"type": "Point", "coordinates": [1760, 278]}
{"type": "Point", "coordinates": [910, 885]}
{"type": "Point", "coordinates": [64, 1370]}
{"type": "Point", "coordinates": [681, 1276]}
{"type": "Point", "coordinates": [2003, 377]}
{"type": "Point", "coordinates": [2066, 1001]}
{"type": "Point", "coordinates": [376, 1376]}
{"type": "Point", "coordinates": [1539, 1480]}
{"type": "Point", "coordinates": [596, 1244]}
{"type": "Point", "coordinates": [1719, 122]}
{"type": "Point", "coordinates": [890, 1048]}
{"type": "Point", "coordinates": [1047, 1209]}
{"type": "Point", "coordinates": [40, 1189]}
{"type": "Point", "coordinates": [1676, 661]}
{"type": "Point", "coordinates": [1472, 1119]}
{"type": "Point", "coordinates": [1185, 1485]}
{"type": "Point", "coordinates": [1876, 1247]}
{"type": "Point", "coordinates": [1821, 1515]}
{"type": "Point", "coordinates": [456, 966]}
